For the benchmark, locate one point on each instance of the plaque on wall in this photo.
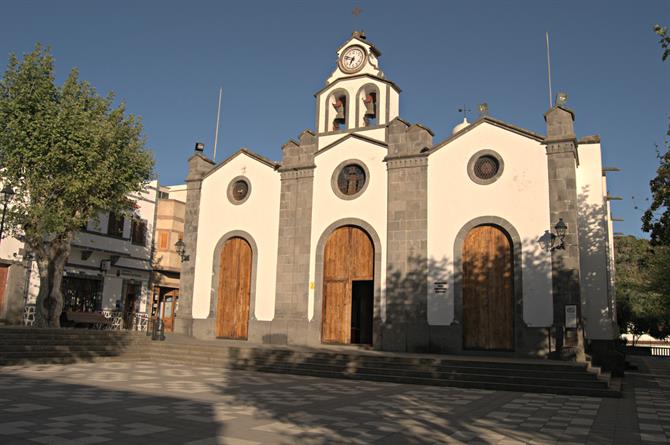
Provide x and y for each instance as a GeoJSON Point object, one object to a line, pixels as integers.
{"type": "Point", "coordinates": [571, 316]}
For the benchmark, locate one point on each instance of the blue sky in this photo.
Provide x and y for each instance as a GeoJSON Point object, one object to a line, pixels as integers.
{"type": "Point", "coordinates": [167, 59]}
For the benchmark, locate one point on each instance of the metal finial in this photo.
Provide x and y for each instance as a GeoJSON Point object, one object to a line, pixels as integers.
{"type": "Point", "coordinates": [465, 111]}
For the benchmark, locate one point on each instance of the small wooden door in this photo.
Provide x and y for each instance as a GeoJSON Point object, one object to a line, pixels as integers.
{"type": "Point", "coordinates": [168, 309]}
{"type": "Point", "coordinates": [3, 284]}
{"type": "Point", "coordinates": [348, 256]}
{"type": "Point", "coordinates": [232, 310]}
{"type": "Point", "coordinates": [488, 290]}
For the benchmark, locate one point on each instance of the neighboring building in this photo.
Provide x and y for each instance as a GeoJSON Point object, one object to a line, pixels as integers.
{"type": "Point", "coordinates": [108, 270]}
{"type": "Point", "coordinates": [169, 229]}
{"type": "Point", "coordinates": [369, 232]}
{"type": "Point", "coordinates": [13, 280]}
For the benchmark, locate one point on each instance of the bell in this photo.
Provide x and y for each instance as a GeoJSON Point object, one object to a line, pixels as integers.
{"type": "Point", "coordinates": [340, 113]}
{"type": "Point", "coordinates": [369, 103]}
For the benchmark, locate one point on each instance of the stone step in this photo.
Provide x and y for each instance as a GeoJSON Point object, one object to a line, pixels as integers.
{"type": "Point", "coordinates": [389, 367]}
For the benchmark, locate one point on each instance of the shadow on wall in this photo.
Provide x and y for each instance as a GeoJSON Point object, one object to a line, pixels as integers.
{"type": "Point", "coordinates": [405, 290]}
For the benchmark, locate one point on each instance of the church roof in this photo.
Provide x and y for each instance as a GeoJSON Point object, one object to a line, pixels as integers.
{"type": "Point", "coordinates": [349, 136]}
{"type": "Point", "coordinates": [363, 40]}
{"type": "Point", "coordinates": [255, 156]}
{"type": "Point", "coordinates": [495, 122]}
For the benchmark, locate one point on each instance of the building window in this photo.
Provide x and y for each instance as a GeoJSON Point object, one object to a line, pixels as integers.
{"type": "Point", "coordinates": [485, 167]}
{"type": "Point", "coordinates": [138, 232]}
{"type": "Point", "coordinates": [115, 225]}
{"type": "Point", "coordinates": [81, 294]}
{"type": "Point", "coordinates": [350, 179]}
{"type": "Point", "coordinates": [239, 190]}
{"type": "Point", "coordinates": [163, 240]}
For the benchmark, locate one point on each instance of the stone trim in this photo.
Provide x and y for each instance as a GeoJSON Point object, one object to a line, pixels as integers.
{"type": "Point", "coordinates": [254, 156]}
{"type": "Point", "coordinates": [495, 122]}
{"type": "Point", "coordinates": [336, 173]}
{"type": "Point", "coordinates": [511, 232]}
{"type": "Point", "coordinates": [352, 135]}
{"type": "Point", "coordinates": [216, 268]}
{"type": "Point", "coordinates": [405, 161]}
{"type": "Point", "coordinates": [473, 160]}
{"type": "Point", "coordinates": [231, 184]}
{"type": "Point", "coordinates": [380, 79]}
{"type": "Point", "coordinates": [316, 322]}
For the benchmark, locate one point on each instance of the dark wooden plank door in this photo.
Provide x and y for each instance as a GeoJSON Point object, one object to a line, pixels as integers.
{"type": "Point", "coordinates": [348, 256]}
{"type": "Point", "coordinates": [3, 284]}
{"type": "Point", "coordinates": [488, 290]}
{"type": "Point", "coordinates": [232, 310]}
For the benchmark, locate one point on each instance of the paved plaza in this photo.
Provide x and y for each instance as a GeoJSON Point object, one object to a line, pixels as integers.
{"type": "Point", "coordinates": [129, 402]}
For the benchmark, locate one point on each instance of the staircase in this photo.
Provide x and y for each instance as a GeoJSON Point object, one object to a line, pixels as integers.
{"type": "Point", "coordinates": [21, 345]}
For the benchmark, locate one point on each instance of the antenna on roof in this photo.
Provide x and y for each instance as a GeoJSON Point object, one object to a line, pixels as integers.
{"type": "Point", "coordinates": [549, 70]}
{"type": "Point", "coordinates": [218, 115]}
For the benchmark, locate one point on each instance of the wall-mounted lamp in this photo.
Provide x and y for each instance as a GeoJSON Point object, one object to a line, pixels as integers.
{"type": "Point", "coordinates": [181, 250]}
{"type": "Point", "coordinates": [561, 229]}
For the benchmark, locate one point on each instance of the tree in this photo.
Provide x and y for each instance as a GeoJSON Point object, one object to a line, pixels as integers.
{"type": "Point", "coordinates": [656, 220]}
{"type": "Point", "coordinates": [642, 297]}
{"type": "Point", "coordinates": [68, 153]}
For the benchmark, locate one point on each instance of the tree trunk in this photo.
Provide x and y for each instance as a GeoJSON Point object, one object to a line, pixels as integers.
{"type": "Point", "coordinates": [51, 259]}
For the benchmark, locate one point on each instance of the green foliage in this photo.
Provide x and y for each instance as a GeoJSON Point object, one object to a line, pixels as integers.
{"type": "Point", "coordinates": [662, 31]}
{"type": "Point", "coordinates": [656, 220]}
{"type": "Point", "coordinates": [642, 287]}
{"type": "Point", "coordinates": [66, 151]}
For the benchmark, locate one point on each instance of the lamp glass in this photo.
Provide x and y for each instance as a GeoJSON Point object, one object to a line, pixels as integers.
{"type": "Point", "coordinates": [561, 228]}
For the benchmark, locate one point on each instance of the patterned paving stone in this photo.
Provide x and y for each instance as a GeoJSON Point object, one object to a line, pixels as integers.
{"type": "Point", "coordinates": [142, 402]}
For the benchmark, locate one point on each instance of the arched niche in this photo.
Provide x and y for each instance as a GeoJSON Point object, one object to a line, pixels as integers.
{"type": "Point", "coordinates": [337, 110]}
{"type": "Point", "coordinates": [367, 106]}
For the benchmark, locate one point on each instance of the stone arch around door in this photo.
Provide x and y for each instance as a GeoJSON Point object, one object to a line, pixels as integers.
{"type": "Point", "coordinates": [316, 322]}
{"type": "Point", "coordinates": [515, 245]}
{"type": "Point", "coordinates": [216, 271]}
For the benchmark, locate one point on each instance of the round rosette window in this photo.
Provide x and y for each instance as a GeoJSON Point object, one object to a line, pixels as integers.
{"type": "Point", "coordinates": [485, 167]}
{"type": "Point", "coordinates": [239, 190]}
{"type": "Point", "coordinates": [350, 179]}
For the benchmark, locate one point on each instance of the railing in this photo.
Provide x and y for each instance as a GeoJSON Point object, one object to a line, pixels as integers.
{"type": "Point", "coordinates": [139, 323]}
{"type": "Point", "coordinates": [29, 315]}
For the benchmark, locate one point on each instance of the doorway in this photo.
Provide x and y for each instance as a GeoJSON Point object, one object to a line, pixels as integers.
{"type": "Point", "coordinates": [130, 299]}
{"type": "Point", "coordinates": [348, 287]}
{"type": "Point", "coordinates": [488, 290]}
{"type": "Point", "coordinates": [232, 309]}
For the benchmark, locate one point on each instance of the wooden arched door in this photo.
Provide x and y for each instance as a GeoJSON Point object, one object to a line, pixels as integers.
{"type": "Point", "coordinates": [488, 290]}
{"type": "Point", "coordinates": [348, 288]}
{"type": "Point", "coordinates": [232, 309]}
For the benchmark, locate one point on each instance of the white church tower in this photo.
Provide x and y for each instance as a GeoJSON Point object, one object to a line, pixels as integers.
{"type": "Point", "coordinates": [356, 97]}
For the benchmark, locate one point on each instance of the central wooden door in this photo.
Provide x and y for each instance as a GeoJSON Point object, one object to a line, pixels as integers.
{"type": "Point", "coordinates": [168, 306]}
{"type": "Point", "coordinates": [488, 290]}
{"type": "Point", "coordinates": [348, 257]}
{"type": "Point", "coordinates": [232, 309]}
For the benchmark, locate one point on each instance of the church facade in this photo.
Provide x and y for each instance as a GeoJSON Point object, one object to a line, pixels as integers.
{"type": "Point", "coordinates": [496, 240]}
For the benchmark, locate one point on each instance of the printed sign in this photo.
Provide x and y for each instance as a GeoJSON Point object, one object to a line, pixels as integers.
{"type": "Point", "coordinates": [571, 316]}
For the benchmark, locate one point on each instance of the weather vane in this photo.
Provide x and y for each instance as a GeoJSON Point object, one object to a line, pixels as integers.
{"type": "Point", "coordinates": [356, 12]}
{"type": "Point", "coordinates": [465, 111]}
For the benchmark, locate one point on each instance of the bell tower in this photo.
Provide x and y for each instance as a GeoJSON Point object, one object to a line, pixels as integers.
{"type": "Point", "coordinates": [356, 97]}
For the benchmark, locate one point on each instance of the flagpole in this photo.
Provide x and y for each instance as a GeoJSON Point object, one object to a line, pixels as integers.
{"type": "Point", "coordinates": [549, 70]}
{"type": "Point", "coordinates": [218, 115]}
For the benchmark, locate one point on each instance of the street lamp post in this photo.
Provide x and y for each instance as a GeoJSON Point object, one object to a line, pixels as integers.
{"type": "Point", "coordinates": [7, 194]}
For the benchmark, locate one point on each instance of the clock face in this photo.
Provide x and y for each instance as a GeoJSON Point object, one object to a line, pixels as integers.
{"type": "Point", "coordinates": [352, 59]}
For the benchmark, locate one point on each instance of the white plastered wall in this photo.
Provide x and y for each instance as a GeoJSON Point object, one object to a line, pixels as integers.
{"type": "Point", "coordinates": [258, 216]}
{"type": "Point", "coordinates": [328, 208]}
{"type": "Point", "coordinates": [594, 245]}
{"type": "Point", "coordinates": [520, 196]}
